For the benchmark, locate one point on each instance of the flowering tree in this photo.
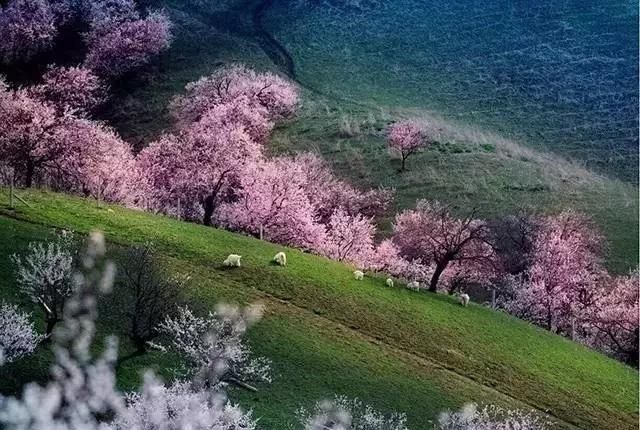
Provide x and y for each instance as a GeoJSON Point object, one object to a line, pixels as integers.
{"type": "Point", "coordinates": [179, 406]}
{"type": "Point", "coordinates": [614, 321]}
{"type": "Point", "coordinates": [18, 336]}
{"type": "Point", "coordinates": [103, 13]}
{"type": "Point", "coordinates": [490, 417]}
{"type": "Point", "coordinates": [71, 88]}
{"type": "Point", "coordinates": [240, 112]}
{"type": "Point", "coordinates": [271, 198]}
{"type": "Point", "coordinates": [349, 414]}
{"type": "Point", "coordinates": [117, 48]}
{"type": "Point", "coordinates": [564, 277]}
{"type": "Point", "coordinates": [214, 346]}
{"type": "Point", "coordinates": [349, 238]}
{"type": "Point", "coordinates": [27, 27]}
{"type": "Point", "coordinates": [431, 236]}
{"type": "Point", "coordinates": [407, 138]}
{"type": "Point", "coordinates": [276, 95]}
{"type": "Point", "coordinates": [43, 273]}
{"type": "Point", "coordinates": [82, 393]}
{"type": "Point", "coordinates": [42, 141]}
{"type": "Point", "coordinates": [82, 389]}
{"type": "Point", "coordinates": [195, 167]}
{"type": "Point", "coordinates": [30, 132]}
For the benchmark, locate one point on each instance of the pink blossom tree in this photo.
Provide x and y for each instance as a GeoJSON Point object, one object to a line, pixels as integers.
{"type": "Point", "coordinates": [96, 163]}
{"type": "Point", "coordinates": [349, 238]}
{"type": "Point", "coordinates": [27, 27]}
{"type": "Point", "coordinates": [75, 88]}
{"type": "Point", "coordinates": [196, 167]}
{"type": "Point", "coordinates": [239, 112]}
{"type": "Point", "coordinates": [272, 199]}
{"type": "Point", "coordinates": [407, 138]}
{"type": "Point", "coordinates": [614, 322]}
{"type": "Point", "coordinates": [115, 48]}
{"type": "Point", "coordinates": [31, 133]}
{"type": "Point", "coordinates": [41, 141]}
{"type": "Point", "coordinates": [430, 235]}
{"type": "Point", "coordinates": [276, 95]}
{"type": "Point", "coordinates": [565, 274]}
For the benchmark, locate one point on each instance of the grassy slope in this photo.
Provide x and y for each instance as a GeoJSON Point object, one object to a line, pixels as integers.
{"type": "Point", "coordinates": [328, 333]}
{"type": "Point", "coordinates": [470, 169]}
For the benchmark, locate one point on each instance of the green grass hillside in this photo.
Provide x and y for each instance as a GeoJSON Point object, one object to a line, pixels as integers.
{"type": "Point", "coordinates": [327, 333]}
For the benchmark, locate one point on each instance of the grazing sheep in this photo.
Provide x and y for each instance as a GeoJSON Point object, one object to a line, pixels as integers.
{"type": "Point", "coordinates": [280, 259]}
{"type": "Point", "coordinates": [358, 275]}
{"type": "Point", "coordinates": [413, 285]}
{"type": "Point", "coordinates": [233, 260]}
{"type": "Point", "coordinates": [389, 282]}
{"type": "Point", "coordinates": [463, 299]}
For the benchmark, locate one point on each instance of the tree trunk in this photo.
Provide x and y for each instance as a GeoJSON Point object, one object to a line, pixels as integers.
{"type": "Point", "coordinates": [28, 180]}
{"type": "Point", "coordinates": [209, 207]}
{"type": "Point", "coordinates": [433, 285]}
{"type": "Point", "coordinates": [51, 323]}
{"type": "Point", "coordinates": [404, 158]}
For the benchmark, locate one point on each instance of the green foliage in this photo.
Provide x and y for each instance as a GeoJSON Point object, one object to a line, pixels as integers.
{"type": "Point", "coordinates": [327, 333]}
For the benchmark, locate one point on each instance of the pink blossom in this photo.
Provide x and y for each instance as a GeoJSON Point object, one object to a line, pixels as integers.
{"type": "Point", "coordinates": [27, 27]}
{"type": "Point", "coordinates": [192, 170]}
{"type": "Point", "coordinates": [349, 238]}
{"type": "Point", "coordinates": [407, 138]}
{"type": "Point", "coordinates": [272, 198]}
{"type": "Point", "coordinates": [430, 235]}
{"type": "Point", "coordinates": [71, 88]}
{"type": "Point", "coordinates": [117, 48]}
{"type": "Point", "coordinates": [275, 94]}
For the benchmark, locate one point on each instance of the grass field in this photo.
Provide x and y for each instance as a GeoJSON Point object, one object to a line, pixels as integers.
{"type": "Point", "coordinates": [327, 333]}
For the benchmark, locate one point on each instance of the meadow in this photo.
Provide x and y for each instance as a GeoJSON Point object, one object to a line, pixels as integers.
{"type": "Point", "coordinates": [327, 333]}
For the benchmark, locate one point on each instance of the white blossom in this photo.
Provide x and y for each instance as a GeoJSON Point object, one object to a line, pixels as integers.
{"type": "Point", "coordinates": [18, 336]}
{"type": "Point", "coordinates": [179, 407]}
{"type": "Point", "coordinates": [490, 417]}
{"type": "Point", "coordinates": [349, 414]}
{"type": "Point", "coordinates": [214, 345]}
{"type": "Point", "coordinates": [81, 389]}
{"type": "Point", "coordinates": [44, 272]}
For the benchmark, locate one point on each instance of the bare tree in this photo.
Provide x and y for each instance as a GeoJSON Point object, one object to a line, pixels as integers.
{"type": "Point", "coordinates": [146, 293]}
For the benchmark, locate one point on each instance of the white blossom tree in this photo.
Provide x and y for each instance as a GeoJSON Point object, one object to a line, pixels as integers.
{"type": "Point", "coordinates": [81, 389]}
{"type": "Point", "coordinates": [43, 273]}
{"type": "Point", "coordinates": [349, 414]}
{"type": "Point", "coordinates": [18, 336]}
{"type": "Point", "coordinates": [214, 346]}
{"type": "Point", "coordinates": [179, 407]}
{"type": "Point", "coordinates": [490, 417]}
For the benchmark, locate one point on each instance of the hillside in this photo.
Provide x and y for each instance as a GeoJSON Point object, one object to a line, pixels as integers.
{"type": "Point", "coordinates": [349, 98]}
{"type": "Point", "coordinates": [327, 333]}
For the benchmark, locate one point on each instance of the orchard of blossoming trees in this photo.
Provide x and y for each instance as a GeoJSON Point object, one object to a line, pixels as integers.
{"type": "Point", "coordinates": [214, 168]}
{"type": "Point", "coordinates": [118, 38]}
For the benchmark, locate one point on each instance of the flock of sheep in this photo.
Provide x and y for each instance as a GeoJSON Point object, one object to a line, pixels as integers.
{"type": "Point", "coordinates": [233, 260]}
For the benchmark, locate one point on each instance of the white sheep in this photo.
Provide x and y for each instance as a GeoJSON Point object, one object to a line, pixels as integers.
{"type": "Point", "coordinates": [233, 260]}
{"type": "Point", "coordinates": [358, 275]}
{"type": "Point", "coordinates": [463, 299]}
{"type": "Point", "coordinates": [280, 259]}
{"type": "Point", "coordinates": [413, 285]}
{"type": "Point", "coordinates": [389, 282]}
